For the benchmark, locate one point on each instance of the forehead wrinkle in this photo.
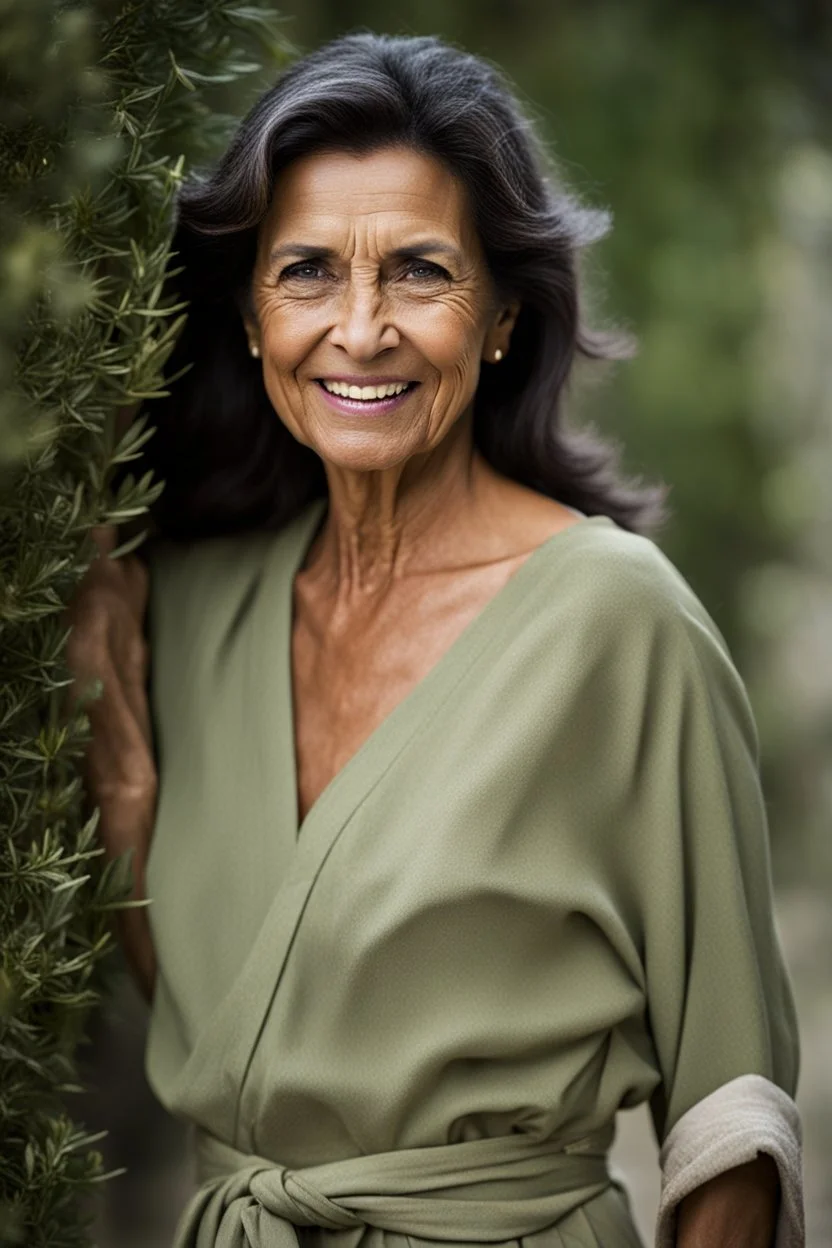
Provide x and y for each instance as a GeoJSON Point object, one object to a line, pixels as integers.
{"type": "Point", "coordinates": [299, 221]}
{"type": "Point", "coordinates": [332, 185]}
{"type": "Point", "coordinates": [321, 185]}
{"type": "Point", "coordinates": [441, 204]}
{"type": "Point", "coordinates": [314, 225]}
{"type": "Point", "coordinates": [367, 234]}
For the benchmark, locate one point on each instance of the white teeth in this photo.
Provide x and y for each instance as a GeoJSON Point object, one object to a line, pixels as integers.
{"type": "Point", "coordinates": [365, 393]}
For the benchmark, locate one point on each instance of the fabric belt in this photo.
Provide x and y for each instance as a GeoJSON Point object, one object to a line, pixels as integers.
{"type": "Point", "coordinates": [487, 1190]}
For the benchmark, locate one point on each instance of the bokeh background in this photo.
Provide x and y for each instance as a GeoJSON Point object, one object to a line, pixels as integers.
{"type": "Point", "coordinates": [704, 127]}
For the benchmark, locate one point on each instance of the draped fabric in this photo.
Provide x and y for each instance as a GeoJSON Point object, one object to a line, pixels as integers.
{"type": "Point", "coordinates": [538, 893]}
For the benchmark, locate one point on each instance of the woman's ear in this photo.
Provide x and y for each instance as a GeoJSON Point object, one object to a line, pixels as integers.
{"type": "Point", "coordinates": [498, 338]}
{"type": "Point", "coordinates": [245, 306]}
{"type": "Point", "coordinates": [253, 335]}
{"type": "Point", "coordinates": [508, 317]}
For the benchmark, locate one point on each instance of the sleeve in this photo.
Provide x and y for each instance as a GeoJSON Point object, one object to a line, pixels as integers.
{"type": "Point", "coordinates": [720, 1007]}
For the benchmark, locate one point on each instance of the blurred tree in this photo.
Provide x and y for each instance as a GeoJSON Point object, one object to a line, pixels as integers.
{"type": "Point", "coordinates": [787, 602]}
{"type": "Point", "coordinates": [101, 103]}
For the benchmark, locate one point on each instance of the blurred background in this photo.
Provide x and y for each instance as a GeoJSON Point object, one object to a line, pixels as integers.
{"type": "Point", "coordinates": [705, 128]}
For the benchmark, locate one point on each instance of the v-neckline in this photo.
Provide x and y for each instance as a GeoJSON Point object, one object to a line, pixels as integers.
{"type": "Point", "coordinates": [293, 857]}
{"type": "Point", "coordinates": [300, 535]}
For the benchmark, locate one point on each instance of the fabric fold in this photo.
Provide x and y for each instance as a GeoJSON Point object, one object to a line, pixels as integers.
{"type": "Point", "coordinates": [490, 1190]}
{"type": "Point", "coordinates": [747, 1116]}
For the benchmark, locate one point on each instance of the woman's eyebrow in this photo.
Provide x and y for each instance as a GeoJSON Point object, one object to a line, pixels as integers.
{"type": "Point", "coordinates": [426, 246]}
{"type": "Point", "coordinates": [305, 251]}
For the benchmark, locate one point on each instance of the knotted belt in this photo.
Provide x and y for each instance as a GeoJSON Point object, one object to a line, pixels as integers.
{"type": "Point", "coordinates": [488, 1190]}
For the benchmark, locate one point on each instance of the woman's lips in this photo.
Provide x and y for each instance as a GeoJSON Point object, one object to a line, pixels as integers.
{"type": "Point", "coordinates": [366, 407]}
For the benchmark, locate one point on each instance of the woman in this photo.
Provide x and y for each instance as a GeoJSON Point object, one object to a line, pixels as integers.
{"type": "Point", "coordinates": [450, 816]}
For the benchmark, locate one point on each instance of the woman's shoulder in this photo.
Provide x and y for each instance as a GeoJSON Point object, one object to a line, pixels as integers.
{"type": "Point", "coordinates": [630, 617]}
{"type": "Point", "coordinates": [193, 557]}
{"type": "Point", "coordinates": [199, 587]}
{"type": "Point", "coordinates": [184, 562]}
{"type": "Point", "coordinates": [620, 567]}
{"type": "Point", "coordinates": [621, 585]}
{"type": "Point", "coordinates": [187, 571]}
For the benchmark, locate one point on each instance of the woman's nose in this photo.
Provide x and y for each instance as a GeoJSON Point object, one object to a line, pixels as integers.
{"type": "Point", "coordinates": [364, 326]}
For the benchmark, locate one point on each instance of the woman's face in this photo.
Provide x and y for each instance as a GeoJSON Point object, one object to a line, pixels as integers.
{"type": "Point", "coordinates": [370, 274]}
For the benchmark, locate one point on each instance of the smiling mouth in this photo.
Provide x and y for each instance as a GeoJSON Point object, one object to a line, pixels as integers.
{"type": "Point", "coordinates": [366, 394]}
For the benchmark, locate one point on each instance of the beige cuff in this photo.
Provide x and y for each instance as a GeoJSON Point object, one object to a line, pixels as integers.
{"type": "Point", "coordinates": [747, 1116]}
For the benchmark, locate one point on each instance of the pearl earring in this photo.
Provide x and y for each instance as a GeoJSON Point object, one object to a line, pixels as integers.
{"type": "Point", "coordinates": [255, 350]}
{"type": "Point", "coordinates": [498, 355]}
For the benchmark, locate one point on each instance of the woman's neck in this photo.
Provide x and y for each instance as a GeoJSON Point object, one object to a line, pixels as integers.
{"type": "Point", "coordinates": [412, 517]}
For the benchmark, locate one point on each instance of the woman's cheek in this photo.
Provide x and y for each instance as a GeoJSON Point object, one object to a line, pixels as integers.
{"type": "Point", "coordinates": [286, 334]}
{"type": "Point", "coordinates": [446, 331]}
{"type": "Point", "coordinates": [287, 403]}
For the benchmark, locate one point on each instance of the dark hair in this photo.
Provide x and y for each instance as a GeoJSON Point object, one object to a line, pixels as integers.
{"type": "Point", "coordinates": [228, 461]}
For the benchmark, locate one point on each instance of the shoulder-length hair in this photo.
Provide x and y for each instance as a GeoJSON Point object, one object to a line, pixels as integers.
{"type": "Point", "coordinates": [228, 461]}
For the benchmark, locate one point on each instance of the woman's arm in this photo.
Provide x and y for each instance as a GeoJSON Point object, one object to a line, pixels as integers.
{"type": "Point", "coordinates": [737, 1209]}
{"type": "Point", "coordinates": [720, 1007]}
{"type": "Point", "coordinates": [106, 643]}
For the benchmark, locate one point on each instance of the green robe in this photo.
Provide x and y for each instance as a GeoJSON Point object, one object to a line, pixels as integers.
{"type": "Point", "coordinates": [538, 893]}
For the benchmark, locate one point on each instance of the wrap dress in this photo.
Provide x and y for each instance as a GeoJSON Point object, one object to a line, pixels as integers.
{"type": "Point", "coordinates": [539, 892]}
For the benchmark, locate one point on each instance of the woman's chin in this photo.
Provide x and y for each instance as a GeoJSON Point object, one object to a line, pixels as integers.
{"type": "Point", "coordinates": [364, 450]}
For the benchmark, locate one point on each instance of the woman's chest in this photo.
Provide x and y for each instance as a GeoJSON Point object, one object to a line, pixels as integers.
{"type": "Point", "coordinates": [347, 680]}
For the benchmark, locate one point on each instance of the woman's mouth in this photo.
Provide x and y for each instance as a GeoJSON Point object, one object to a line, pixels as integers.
{"type": "Point", "coordinates": [355, 400]}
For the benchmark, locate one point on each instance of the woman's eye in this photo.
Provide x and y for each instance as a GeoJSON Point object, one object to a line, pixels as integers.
{"type": "Point", "coordinates": [422, 270]}
{"type": "Point", "coordinates": [304, 269]}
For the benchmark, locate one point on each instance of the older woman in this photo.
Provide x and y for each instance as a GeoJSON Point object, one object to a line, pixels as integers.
{"type": "Point", "coordinates": [449, 814]}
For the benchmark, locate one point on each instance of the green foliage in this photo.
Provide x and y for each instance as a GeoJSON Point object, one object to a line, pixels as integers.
{"type": "Point", "coordinates": [103, 103]}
